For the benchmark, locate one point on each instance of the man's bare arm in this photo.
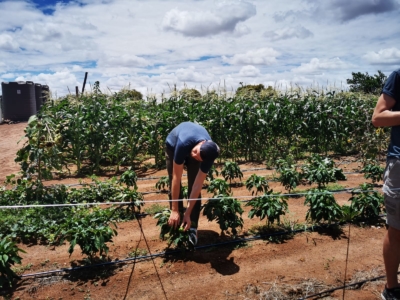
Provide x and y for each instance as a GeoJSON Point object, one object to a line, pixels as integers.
{"type": "Point", "coordinates": [194, 194]}
{"type": "Point", "coordinates": [177, 171]}
{"type": "Point", "coordinates": [383, 116]}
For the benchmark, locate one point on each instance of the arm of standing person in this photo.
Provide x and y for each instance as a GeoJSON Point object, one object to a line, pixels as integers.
{"type": "Point", "coordinates": [177, 171]}
{"type": "Point", "coordinates": [383, 116]}
{"type": "Point", "coordinates": [196, 189]}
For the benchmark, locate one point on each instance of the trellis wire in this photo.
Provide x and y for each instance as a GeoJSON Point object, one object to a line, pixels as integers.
{"type": "Point", "coordinates": [175, 200]}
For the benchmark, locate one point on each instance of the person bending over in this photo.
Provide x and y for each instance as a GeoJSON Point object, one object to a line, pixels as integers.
{"type": "Point", "coordinates": [189, 144]}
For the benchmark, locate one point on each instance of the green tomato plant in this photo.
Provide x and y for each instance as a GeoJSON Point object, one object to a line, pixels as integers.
{"type": "Point", "coordinates": [322, 206]}
{"type": "Point", "coordinates": [289, 177]}
{"type": "Point", "coordinates": [257, 183]}
{"type": "Point", "coordinates": [174, 236]}
{"type": "Point", "coordinates": [212, 174]}
{"type": "Point", "coordinates": [9, 256]}
{"type": "Point", "coordinates": [163, 183]}
{"type": "Point", "coordinates": [373, 171]}
{"type": "Point", "coordinates": [270, 205]}
{"type": "Point", "coordinates": [231, 171]}
{"type": "Point", "coordinates": [226, 211]}
{"type": "Point", "coordinates": [90, 230]}
{"type": "Point", "coordinates": [219, 187]}
{"type": "Point", "coordinates": [366, 202]}
{"type": "Point", "coordinates": [322, 171]}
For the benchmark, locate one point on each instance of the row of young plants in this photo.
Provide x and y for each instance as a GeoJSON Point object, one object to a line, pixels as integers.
{"type": "Point", "coordinates": [98, 131]}
{"type": "Point", "coordinates": [92, 228]}
{"type": "Point", "coordinates": [226, 210]}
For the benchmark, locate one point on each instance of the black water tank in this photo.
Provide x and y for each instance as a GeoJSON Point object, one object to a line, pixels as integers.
{"type": "Point", "coordinates": [19, 101]}
{"type": "Point", "coordinates": [38, 96]}
{"type": "Point", "coordinates": [1, 109]}
{"type": "Point", "coordinates": [45, 93]}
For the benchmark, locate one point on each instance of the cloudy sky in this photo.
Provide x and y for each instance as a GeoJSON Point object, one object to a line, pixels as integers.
{"type": "Point", "coordinates": [152, 45]}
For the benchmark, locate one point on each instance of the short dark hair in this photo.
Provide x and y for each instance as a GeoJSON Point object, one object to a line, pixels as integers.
{"type": "Point", "coordinates": [209, 151]}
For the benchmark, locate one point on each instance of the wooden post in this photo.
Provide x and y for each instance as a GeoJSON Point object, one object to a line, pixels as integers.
{"type": "Point", "coordinates": [84, 82]}
{"type": "Point", "coordinates": [77, 91]}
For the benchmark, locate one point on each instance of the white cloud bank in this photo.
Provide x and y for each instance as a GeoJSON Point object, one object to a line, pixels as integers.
{"type": "Point", "coordinates": [319, 66]}
{"type": "Point", "coordinates": [225, 18]}
{"type": "Point", "coordinates": [263, 56]}
{"type": "Point", "coordinates": [288, 32]}
{"type": "Point", "coordinates": [153, 45]}
{"type": "Point", "coordinates": [384, 56]}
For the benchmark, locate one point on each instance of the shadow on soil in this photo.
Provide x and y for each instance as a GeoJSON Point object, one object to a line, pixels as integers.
{"type": "Point", "coordinates": [217, 256]}
{"type": "Point", "coordinates": [334, 231]}
{"type": "Point", "coordinates": [93, 275]}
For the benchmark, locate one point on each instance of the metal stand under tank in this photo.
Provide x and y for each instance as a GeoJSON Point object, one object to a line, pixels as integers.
{"type": "Point", "coordinates": [19, 101]}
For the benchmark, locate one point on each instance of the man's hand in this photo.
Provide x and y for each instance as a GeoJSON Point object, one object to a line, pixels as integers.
{"type": "Point", "coordinates": [186, 222]}
{"type": "Point", "coordinates": [174, 219]}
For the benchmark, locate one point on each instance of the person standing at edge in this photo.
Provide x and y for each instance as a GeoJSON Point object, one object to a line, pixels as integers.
{"type": "Point", "coordinates": [191, 144]}
{"type": "Point", "coordinates": [387, 114]}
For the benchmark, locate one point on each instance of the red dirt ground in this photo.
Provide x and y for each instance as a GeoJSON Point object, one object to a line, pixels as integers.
{"type": "Point", "coordinates": [257, 270]}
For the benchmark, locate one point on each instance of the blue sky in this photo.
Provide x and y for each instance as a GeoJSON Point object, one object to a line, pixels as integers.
{"type": "Point", "coordinates": [153, 45]}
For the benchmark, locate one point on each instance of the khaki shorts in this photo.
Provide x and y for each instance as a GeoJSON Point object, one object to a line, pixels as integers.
{"type": "Point", "coordinates": [391, 190]}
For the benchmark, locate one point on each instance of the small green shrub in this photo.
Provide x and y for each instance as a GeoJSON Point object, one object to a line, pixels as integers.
{"type": "Point", "coordinates": [226, 211]}
{"type": "Point", "coordinates": [366, 202]}
{"type": "Point", "coordinates": [90, 230]}
{"type": "Point", "coordinates": [269, 205]}
{"type": "Point", "coordinates": [231, 171]}
{"type": "Point", "coordinates": [259, 183]}
{"type": "Point", "coordinates": [176, 236]}
{"type": "Point", "coordinates": [9, 256]}
{"type": "Point", "coordinates": [163, 183]}
{"type": "Point", "coordinates": [219, 187]}
{"type": "Point", "coordinates": [321, 170]}
{"type": "Point", "coordinates": [288, 177]}
{"type": "Point", "coordinates": [322, 206]}
{"type": "Point", "coordinates": [373, 171]}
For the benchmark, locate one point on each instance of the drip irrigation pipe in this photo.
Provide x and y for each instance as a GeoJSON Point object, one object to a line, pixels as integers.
{"type": "Point", "coordinates": [159, 177]}
{"type": "Point", "coordinates": [146, 257]}
{"type": "Point", "coordinates": [178, 200]}
{"type": "Point", "coordinates": [342, 287]}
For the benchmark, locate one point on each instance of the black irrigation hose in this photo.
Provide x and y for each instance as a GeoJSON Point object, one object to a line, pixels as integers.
{"type": "Point", "coordinates": [159, 177]}
{"type": "Point", "coordinates": [146, 257]}
{"type": "Point", "coordinates": [342, 287]}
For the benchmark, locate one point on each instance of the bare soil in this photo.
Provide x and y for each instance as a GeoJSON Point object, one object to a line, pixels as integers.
{"type": "Point", "coordinates": [270, 268]}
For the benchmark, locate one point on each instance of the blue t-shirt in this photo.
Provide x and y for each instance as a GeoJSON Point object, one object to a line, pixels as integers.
{"type": "Point", "coordinates": [183, 138]}
{"type": "Point", "coordinates": [392, 89]}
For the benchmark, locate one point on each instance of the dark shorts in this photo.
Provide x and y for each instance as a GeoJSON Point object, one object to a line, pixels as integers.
{"type": "Point", "coordinates": [391, 190]}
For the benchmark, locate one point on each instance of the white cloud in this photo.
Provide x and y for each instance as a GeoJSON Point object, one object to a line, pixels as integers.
{"type": "Point", "coordinates": [7, 43]}
{"type": "Point", "coordinates": [249, 71]}
{"type": "Point", "coordinates": [263, 56]}
{"type": "Point", "coordinates": [288, 33]}
{"type": "Point", "coordinates": [150, 44]}
{"type": "Point", "coordinates": [224, 18]}
{"type": "Point", "coordinates": [125, 61]}
{"type": "Point", "coordinates": [383, 56]}
{"type": "Point", "coordinates": [318, 67]}
{"type": "Point", "coordinates": [58, 81]}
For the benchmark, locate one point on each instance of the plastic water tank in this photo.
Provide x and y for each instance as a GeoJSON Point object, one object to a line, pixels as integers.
{"type": "Point", "coordinates": [1, 113]}
{"type": "Point", "coordinates": [19, 101]}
